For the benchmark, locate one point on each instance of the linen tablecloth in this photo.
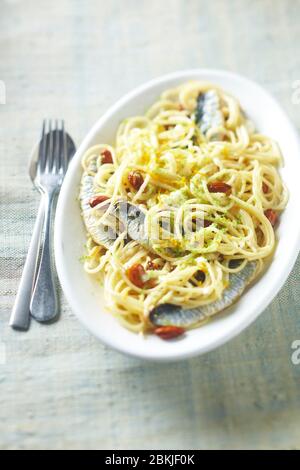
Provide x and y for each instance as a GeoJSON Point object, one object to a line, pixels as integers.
{"type": "Point", "coordinates": [59, 386]}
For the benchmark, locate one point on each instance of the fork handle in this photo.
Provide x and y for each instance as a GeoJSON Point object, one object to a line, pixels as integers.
{"type": "Point", "coordinates": [20, 316]}
{"type": "Point", "coordinates": [44, 302]}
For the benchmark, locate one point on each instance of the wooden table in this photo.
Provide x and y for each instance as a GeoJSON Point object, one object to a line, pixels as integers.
{"type": "Point", "coordinates": [60, 387]}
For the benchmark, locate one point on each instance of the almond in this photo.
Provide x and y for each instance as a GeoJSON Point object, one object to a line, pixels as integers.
{"type": "Point", "coordinates": [106, 157]}
{"type": "Point", "coordinates": [136, 179]}
{"type": "Point", "coordinates": [219, 187]}
{"type": "Point", "coordinates": [265, 188]}
{"type": "Point", "coordinates": [272, 216]}
{"type": "Point", "coordinates": [136, 275]}
{"type": "Point", "coordinates": [94, 201]}
{"type": "Point", "coordinates": [169, 332]}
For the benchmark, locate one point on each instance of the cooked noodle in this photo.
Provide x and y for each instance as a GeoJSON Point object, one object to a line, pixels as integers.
{"type": "Point", "coordinates": [178, 163]}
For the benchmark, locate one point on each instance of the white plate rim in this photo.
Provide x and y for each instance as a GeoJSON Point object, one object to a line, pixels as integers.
{"type": "Point", "coordinates": [290, 258]}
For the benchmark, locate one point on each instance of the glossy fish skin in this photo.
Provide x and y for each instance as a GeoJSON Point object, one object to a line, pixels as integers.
{"type": "Point", "coordinates": [130, 215]}
{"type": "Point", "coordinates": [133, 219]}
{"type": "Point", "coordinates": [208, 111]}
{"type": "Point", "coordinates": [168, 314]}
{"type": "Point", "coordinates": [101, 234]}
{"type": "Point", "coordinates": [86, 192]}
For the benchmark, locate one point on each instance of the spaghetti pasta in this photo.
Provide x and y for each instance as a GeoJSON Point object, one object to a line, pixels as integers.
{"type": "Point", "coordinates": [206, 184]}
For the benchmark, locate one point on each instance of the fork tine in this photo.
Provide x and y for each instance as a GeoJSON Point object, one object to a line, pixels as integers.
{"type": "Point", "coordinates": [53, 150]}
{"type": "Point", "coordinates": [41, 163]}
{"type": "Point", "coordinates": [50, 158]}
{"type": "Point", "coordinates": [60, 145]}
{"type": "Point", "coordinates": [65, 150]}
{"type": "Point", "coordinates": [56, 148]}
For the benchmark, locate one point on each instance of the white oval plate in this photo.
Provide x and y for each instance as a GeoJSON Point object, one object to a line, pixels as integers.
{"type": "Point", "coordinates": [86, 297]}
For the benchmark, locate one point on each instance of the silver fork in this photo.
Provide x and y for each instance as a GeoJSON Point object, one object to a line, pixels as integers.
{"type": "Point", "coordinates": [51, 168]}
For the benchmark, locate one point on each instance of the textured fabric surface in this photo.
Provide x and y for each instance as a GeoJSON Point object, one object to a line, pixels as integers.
{"type": "Point", "coordinates": [60, 387]}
